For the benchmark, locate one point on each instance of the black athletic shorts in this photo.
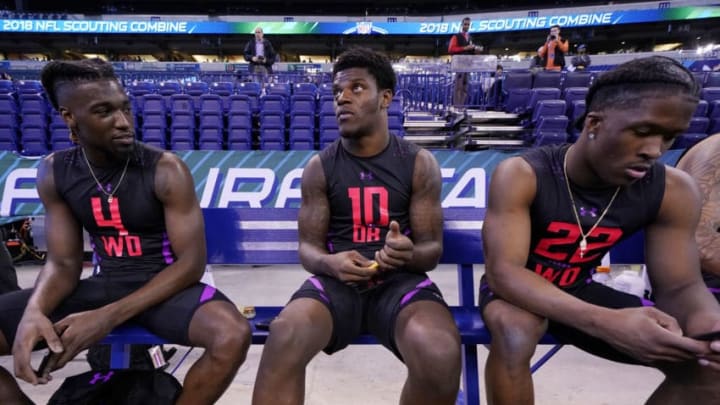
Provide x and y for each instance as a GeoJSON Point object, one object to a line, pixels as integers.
{"type": "Point", "coordinates": [594, 293]}
{"type": "Point", "coordinates": [373, 311]}
{"type": "Point", "coordinates": [169, 319]}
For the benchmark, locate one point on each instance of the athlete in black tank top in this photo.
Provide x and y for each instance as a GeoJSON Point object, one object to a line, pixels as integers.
{"type": "Point", "coordinates": [555, 236]}
{"type": "Point", "coordinates": [140, 208]}
{"type": "Point", "coordinates": [557, 210]}
{"type": "Point", "coordinates": [128, 232]}
{"type": "Point", "coordinates": [370, 227]}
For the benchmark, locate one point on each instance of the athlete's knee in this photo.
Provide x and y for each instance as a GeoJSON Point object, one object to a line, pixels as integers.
{"type": "Point", "coordinates": [514, 332]}
{"type": "Point", "coordinates": [226, 333]}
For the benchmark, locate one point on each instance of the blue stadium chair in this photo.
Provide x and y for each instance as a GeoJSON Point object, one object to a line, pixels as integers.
{"type": "Point", "coordinates": [272, 119]}
{"type": "Point", "coordinates": [710, 94]}
{"type": "Point", "coordinates": [328, 136]}
{"type": "Point", "coordinates": [34, 148]}
{"type": "Point", "coordinates": [8, 104]}
{"type": "Point", "coordinates": [302, 120]}
{"type": "Point", "coordinates": [325, 89]}
{"type": "Point", "coordinates": [210, 137]}
{"type": "Point", "coordinates": [302, 103]}
{"type": "Point", "coordinates": [547, 108]}
{"type": "Point", "coordinates": [211, 120]}
{"type": "Point", "coordinates": [7, 87]}
{"type": "Point", "coordinates": [29, 87]}
{"type": "Point", "coordinates": [550, 129]}
{"type": "Point", "coordinates": [8, 137]}
{"type": "Point", "coordinates": [240, 103]}
{"type": "Point", "coordinates": [141, 88]}
{"type": "Point", "coordinates": [61, 144]}
{"type": "Point", "coordinates": [195, 90]}
{"type": "Point", "coordinates": [547, 78]}
{"type": "Point", "coordinates": [395, 124]}
{"type": "Point", "coordinates": [59, 133]}
{"type": "Point", "coordinates": [696, 132]}
{"type": "Point", "coordinates": [34, 103]}
{"type": "Point", "coordinates": [572, 94]}
{"type": "Point", "coordinates": [33, 132]}
{"type": "Point", "coordinates": [240, 121]}
{"type": "Point", "coordinates": [167, 89]}
{"type": "Point", "coordinates": [156, 144]}
{"type": "Point", "coordinates": [326, 106]}
{"type": "Point", "coordinates": [152, 104]}
{"type": "Point", "coordinates": [702, 109]}
{"type": "Point", "coordinates": [272, 134]}
{"type": "Point", "coordinates": [712, 79]}
{"type": "Point", "coordinates": [541, 93]}
{"type": "Point", "coordinates": [211, 104]}
{"type": "Point", "coordinates": [301, 138]}
{"type": "Point", "coordinates": [273, 102]}
{"type": "Point", "coordinates": [578, 111]}
{"type": "Point", "coordinates": [328, 121]}
{"type": "Point", "coordinates": [252, 91]}
{"type": "Point", "coordinates": [281, 89]}
{"type": "Point", "coordinates": [699, 78]}
{"type": "Point", "coordinates": [181, 144]}
{"type": "Point", "coordinates": [577, 79]}
{"type": "Point", "coordinates": [305, 88]}
{"type": "Point", "coordinates": [182, 104]}
{"type": "Point", "coordinates": [155, 134]}
{"type": "Point", "coordinates": [239, 138]}
{"type": "Point", "coordinates": [223, 89]}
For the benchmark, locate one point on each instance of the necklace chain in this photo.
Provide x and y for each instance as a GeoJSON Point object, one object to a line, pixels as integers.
{"type": "Point", "coordinates": [92, 173]}
{"type": "Point", "coordinates": [583, 241]}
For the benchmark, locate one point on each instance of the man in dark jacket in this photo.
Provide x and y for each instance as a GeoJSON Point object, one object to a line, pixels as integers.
{"type": "Point", "coordinates": [260, 53]}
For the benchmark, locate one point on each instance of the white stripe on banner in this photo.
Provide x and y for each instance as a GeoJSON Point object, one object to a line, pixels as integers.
{"type": "Point", "coordinates": [292, 225]}
{"type": "Point", "coordinates": [464, 225]}
{"type": "Point", "coordinates": [268, 225]}
{"type": "Point", "coordinates": [273, 246]}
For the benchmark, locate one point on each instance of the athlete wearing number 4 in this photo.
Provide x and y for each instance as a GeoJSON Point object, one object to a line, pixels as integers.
{"type": "Point", "coordinates": [553, 214]}
{"type": "Point", "coordinates": [370, 227]}
{"type": "Point", "coordinates": [138, 205]}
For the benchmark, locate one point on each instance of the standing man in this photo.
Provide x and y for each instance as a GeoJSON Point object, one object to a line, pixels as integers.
{"type": "Point", "coordinates": [552, 52]}
{"type": "Point", "coordinates": [461, 44]}
{"type": "Point", "coordinates": [370, 227]}
{"type": "Point", "coordinates": [260, 54]}
{"type": "Point", "coordinates": [138, 204]}
{"type": "Point", "coordinates": [553, 214]}
{"type": "Point", "coordinates": [702, 162]}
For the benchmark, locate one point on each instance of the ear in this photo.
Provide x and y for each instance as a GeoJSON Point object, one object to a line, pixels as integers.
{"type": "Point", "coordinates": [592, 122]}
{"type": "Point", "coordinates": [387, 96]}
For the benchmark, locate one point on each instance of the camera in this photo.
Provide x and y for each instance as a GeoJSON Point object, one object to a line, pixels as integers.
{"type": "Point", "coordinates": [552, 37]}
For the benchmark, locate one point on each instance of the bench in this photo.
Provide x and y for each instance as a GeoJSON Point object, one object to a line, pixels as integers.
{"type": "Point", "coordinates": [269, 236]}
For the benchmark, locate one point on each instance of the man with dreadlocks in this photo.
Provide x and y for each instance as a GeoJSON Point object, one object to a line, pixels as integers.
{"type": "Point", "coordinates": [138, 204]}
{"type": "Point", "coordinates": [554, 212]}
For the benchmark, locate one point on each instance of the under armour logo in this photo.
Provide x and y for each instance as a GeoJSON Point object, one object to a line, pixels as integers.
{"type": "Point", "coordinates": [591, 212]}
{"type": "Point", "coordinates": [98, 376]}
{"type": "Point", "coordinates": [366, 176]}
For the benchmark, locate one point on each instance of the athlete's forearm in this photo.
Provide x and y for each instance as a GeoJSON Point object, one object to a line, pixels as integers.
{"type": "Point", "coordinates": [164, 285]}
{"type": "Point", "coordinates": [315, 259]}
{"type": "Point", "coordinates": [693, 306]}
{"type": "Point", "coordinates": [425, 258]}
{"type": "Point", "coordinates": [51, 287]}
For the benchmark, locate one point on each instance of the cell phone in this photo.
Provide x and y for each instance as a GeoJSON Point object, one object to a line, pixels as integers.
{"type": "Point", "coordinates": [44, 364]}
{"type": "Point", "coordinates": [708, 336]}
{"type": "Point", "coordinates": [263, 324]}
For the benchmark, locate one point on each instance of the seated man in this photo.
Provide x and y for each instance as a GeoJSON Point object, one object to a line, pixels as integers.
{"type": "Point", "coordinates": [702, 162]}
{"type": "Point", "coordinates": [138, 204]}
{"type": "Point", "coordinates": [370, 227]}
{"type": "Point", "coordinates": [554, 212]}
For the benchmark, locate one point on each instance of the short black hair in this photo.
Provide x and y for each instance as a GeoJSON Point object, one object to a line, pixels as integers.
{"type": "Point", "coordinates": [59, 72]}
{"type": "Point", "coordinates": [466, 19]}
{"type": "Point", "coordinates": [556, 26]}
{"type": "Point", "coordinates": [632, 81]}
{"type": "Point", "coordinates": [377, 64]}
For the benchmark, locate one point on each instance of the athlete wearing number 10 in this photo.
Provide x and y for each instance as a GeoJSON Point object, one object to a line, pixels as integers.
{"type": "Point", "coordinates": [370, 227]}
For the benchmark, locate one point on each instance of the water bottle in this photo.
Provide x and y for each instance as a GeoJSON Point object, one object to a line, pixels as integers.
{"type": "Point", "coordinates": [602, 275]}
{"type": "Point", "coordinates": [629, 281]}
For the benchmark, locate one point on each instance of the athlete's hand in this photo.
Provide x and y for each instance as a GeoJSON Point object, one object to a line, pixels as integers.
{"type": "Point", "coordinates": [34, 327]}
{"type": "Point", "coordinates": [351, 266]}
{"type": "Point", "coordinates": [398, 249]}
{"type": "Point", "coordinates": [78, 332]}
{"type": "Point", "coordinates": [712, 358]}
{"type": "Point", "coordinates": [650, 335]}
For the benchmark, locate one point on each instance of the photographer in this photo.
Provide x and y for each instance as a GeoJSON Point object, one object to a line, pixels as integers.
{"type": "Point", "coordinates": [553, 51]}
{"type": "Point", "coordinates": [260, 53]}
